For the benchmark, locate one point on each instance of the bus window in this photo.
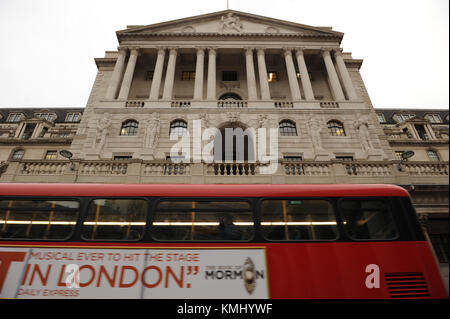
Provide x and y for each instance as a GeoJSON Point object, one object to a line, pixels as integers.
{"type": "Point", "coordinates": [367, 219]}
{"type": "Point", "coordinates": [38, 219]}
{"type": "Point", "coordinates": [115, 219]}
{"type": "Point", "coordinates": [298, 219]}
{"type": "Point", "coordinates": [203, 220]}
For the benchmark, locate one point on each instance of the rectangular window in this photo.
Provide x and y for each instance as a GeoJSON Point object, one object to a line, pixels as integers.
{"type": "Point", "coordinates": [367, 219]}
{"type": "Point", "coordinates": [272, 77]}
{"type": "Point", "coordinates": [381, 118]}
{"type": "Point", "coordinates": [73, 117]}
{"type": "Point", "coordinates": [38, 219]}
{"type": "Point", "coordinates": [298, 219]}
{"type": "Point", "coordinates": [398, 155]}
{"type": "Point", "coordinates": [345, 158]}
{"type": "Point", "coordinates": [51, 155]}
{"type": "Point", "coordinates": [203, 220]}
{"type": "Point", "coordinates": [115, 219]}
{"type": "Point", "coordinates": [404, 117]}
{"type": "Point", "coordinates": [187, 75]}
{"type": "Point", "coordinates": [122, 158]}
{"type": "Point", "coordinates": [434, 118]}
{"type": "Point", "coordinates": [229, 76]}
{"type": "Point", "coordinates": [292, 158]}
{"type": "Point", "coordinates": [46, 116]}
{"type": "Point", "coordinates": [14, 117]}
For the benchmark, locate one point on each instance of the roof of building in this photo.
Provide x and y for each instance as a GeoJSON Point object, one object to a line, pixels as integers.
{"type": "Point", "coordinates": [61, 112]}
{"type": "Point", "coordinates": [418, 113]}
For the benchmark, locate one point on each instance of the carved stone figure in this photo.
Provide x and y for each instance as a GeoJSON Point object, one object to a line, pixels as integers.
{"type": "Point", "coordinates": [100, 138]}
{"type": "Point", "coordinates": [230, 23]}
{"type": "Point", "coordinates": [314, 130]}
{"type": "Point", "coordinates": [152, 132]}
{"type": "Point", "coordinates": [364, 135]}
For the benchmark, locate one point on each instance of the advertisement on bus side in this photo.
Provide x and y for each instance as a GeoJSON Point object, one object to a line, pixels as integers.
{"type": "Point", "coordinates": [70, 273]}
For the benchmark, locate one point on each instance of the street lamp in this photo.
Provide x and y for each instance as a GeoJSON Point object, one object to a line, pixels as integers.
{"type": "Point", "coordinates": [67, 154]}
{"type": "Point", "coordinates": [405, 155]}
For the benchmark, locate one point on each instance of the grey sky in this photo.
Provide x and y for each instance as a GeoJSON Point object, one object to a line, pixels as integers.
{"type": "Point", "coordinates": [48, 46]}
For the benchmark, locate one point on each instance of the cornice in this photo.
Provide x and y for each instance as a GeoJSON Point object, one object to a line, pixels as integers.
{"type": "Point", "coordinates": [225, 35]}
{"type": "Point", "coordinates": [418, 142]}
{"type": "Point", "coordinates": [40, 141]}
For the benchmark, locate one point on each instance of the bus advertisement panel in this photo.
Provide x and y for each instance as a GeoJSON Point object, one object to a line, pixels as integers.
{"type": "Point", "coordinates": [133, 273]}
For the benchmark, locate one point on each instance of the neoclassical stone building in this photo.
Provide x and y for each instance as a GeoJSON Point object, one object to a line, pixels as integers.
{"type": "Point", "coordinates": [168, 83]}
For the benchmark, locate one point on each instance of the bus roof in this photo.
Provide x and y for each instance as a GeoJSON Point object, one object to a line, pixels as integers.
{"type": "Point", "coordinates": [203, 190]}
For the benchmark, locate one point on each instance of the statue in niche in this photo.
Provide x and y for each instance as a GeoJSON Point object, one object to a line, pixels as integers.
{"type": "Point", "coordinates": [231, 23]}
{"type": "Point", "coordinates": [205, 121]}
{"type": "Point", "coordinates": [102, 131]}
{"type": "Point", "coordinates": [152, 132]}
{"type": "Point", "coordinates": [314, 130]}
{"type": "Point", "coordinates": [363, 128]}
{"type": "Point", "coordinates": [262, 121]}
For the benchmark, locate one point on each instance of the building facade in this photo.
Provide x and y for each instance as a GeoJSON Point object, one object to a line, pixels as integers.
{"type": "Point", "coordinates": [160, 107]}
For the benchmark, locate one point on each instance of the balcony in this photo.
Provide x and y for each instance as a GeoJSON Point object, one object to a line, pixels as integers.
{"type": "Point", "coordinates": [274, 104]}
{"type": "Point", "coordinates": [284, 172]}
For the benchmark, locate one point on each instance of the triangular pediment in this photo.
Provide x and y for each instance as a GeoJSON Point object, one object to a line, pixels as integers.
{"type": "Point", "coordinates": [230, 22]}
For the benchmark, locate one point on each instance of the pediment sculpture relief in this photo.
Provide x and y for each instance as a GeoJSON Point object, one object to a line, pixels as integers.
{"type": "Point", "coordinates": [230, 23]}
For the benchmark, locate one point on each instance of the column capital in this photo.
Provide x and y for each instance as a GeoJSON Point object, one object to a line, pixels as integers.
{"type": "Point", "coordinates": [260, 51]}
{"type": "Point", "coordinates": [134, 50]}
{"type": "Point", "coordinates": [173, 50]}
{"type": "Point", "coordinates": [200, 50]}
{"type": "Point", "coordinates": [122, 50]}
{"type": "Point", "coordinates": [248, 50]}
{"type": "Point", "coordinates": [337, 52]}
{"type": "Point", "coordinates": [299, 50]}
{"type": "Point", "coordinates": [326, 50]}
{"type": "Point", "coordinates": [161, 50]}
{"type": "Point", "coordinates": [212, 50]}
{"type": "Point", "coordinates": [287, 51]}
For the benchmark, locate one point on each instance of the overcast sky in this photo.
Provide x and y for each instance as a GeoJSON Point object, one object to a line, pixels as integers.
{"type": "Point", "coordinates": [48, 46]}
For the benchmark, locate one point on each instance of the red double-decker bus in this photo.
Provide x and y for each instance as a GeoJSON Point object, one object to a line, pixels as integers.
{"type": "Point", "coordinates": [213, 241]}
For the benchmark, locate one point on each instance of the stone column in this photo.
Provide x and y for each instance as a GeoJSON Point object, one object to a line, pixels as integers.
{"type": "Point", "coordinates": [157, 75]}
{"type": "Point", "coordinates": [292, 76]}
{"type": "Point", "coordinates": [304, 75]}
{"type": "Point", "coordinates": [348, 85]}
{"type": "Point", "coordinates": [198, 85]}
{"type": "Point", "coordinates": [334, 80]}
{"type": "Point", "coordinates": [128, 76]}
{"type": "Point", "coordinates": [20, 129]}
{"type": "Point", "coordinates": [115, 78]}
{"type": "Point", "coordinates": [251, 79]}
{"type": "Point", "coordinates": [265, 92]}
{"type": "Point", "coordinates": [170, 74]}
{"type": "Point", "coordinates": [211, 89]}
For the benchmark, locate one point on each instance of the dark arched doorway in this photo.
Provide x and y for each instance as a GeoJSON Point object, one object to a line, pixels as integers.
{"type": "Point", "coordinates": [230, 96]}
{"type": "Point", "coordinates": [235, 143]}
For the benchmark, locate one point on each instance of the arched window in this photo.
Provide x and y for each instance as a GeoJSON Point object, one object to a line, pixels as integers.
{"type": "Point", "coordinates": [288, 128]}
{"type": "Point", "coordinates": [18, 154]}
{"type": "Point", "coordinates": [336, 128]}
{"type": "Point", "coordinates": [129, 128]}
{"type": "Point", "coordinates": [178, 128]}
{"type": "Point", "coordinates": [433, 155]}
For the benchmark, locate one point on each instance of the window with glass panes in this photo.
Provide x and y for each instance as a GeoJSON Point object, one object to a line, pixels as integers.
{"type": "Point", "coordinates": [336, 128]}
{"type": "Point", "coordinates": [51, 155]}
{"type": "Point", "coordinates": [288, 128]}
{"type": "Point", "coordinates": [129, 128]}
{"type": "Point", "coordinates": [178, 128]}
{"type": "Point", "coordinates": [433, 155]}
